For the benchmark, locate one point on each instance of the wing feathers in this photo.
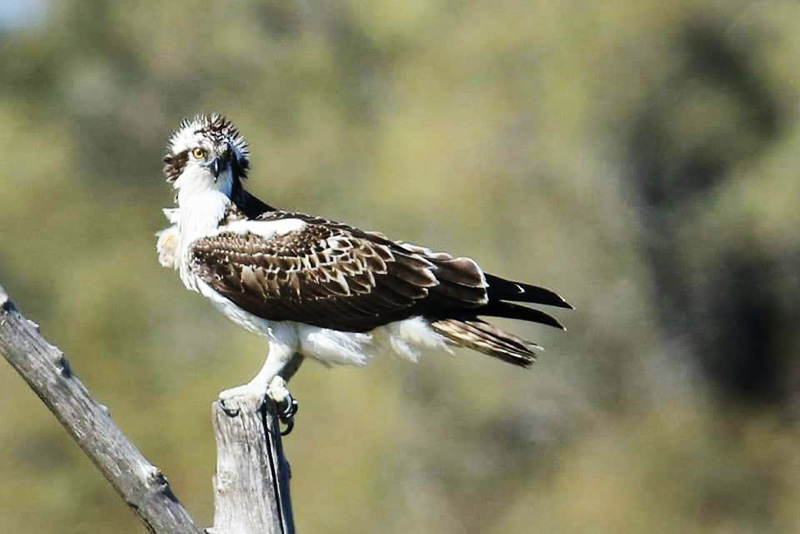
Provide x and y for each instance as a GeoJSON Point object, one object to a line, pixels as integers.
{"type": "Point", "coordinates": [415, 272]}
{"type": "Point", "coordinates": [459, 295]}
{"type": "Point", "coordinates": [462, 271]}
{"type": "Point", "coordinates": [335, 276]}
{"type": "Point", "coordinates": [328, 275]}
{"type": "Point", "coordinates": [402, 287]}
{"type": "Point", "coordinates": [501, 289]}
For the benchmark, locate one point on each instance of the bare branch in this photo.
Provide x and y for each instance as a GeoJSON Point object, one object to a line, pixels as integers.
{"type": "Point", "coordinates": [49, 374]}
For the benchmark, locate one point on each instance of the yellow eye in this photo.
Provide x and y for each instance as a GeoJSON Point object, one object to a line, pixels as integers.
{"type": "Point", "coordinates": [199, 153]}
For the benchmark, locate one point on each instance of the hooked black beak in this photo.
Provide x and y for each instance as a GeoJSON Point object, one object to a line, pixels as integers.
{"type": "Point", "coordinates": [218, 165]}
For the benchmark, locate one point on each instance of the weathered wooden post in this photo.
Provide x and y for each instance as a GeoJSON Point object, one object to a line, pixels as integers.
{"type": "Point", "coordinates": [251, 487]}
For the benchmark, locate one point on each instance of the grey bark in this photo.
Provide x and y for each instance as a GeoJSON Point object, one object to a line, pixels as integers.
{"type": "Point", "coordinates": [252, 482]}
{"type": "Point", "coordinates": [47, 371]}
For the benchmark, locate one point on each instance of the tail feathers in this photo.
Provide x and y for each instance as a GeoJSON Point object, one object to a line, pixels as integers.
{"type": "Point", "coordinates": [510, 310]}
{"type": "Point", "coordinates": [488, 339]}
{"type": "Point", "coordinates": [502, 289]}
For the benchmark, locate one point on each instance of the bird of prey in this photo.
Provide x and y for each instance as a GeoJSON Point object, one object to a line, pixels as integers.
{"type": "Point", "coordinates": [321, 289]}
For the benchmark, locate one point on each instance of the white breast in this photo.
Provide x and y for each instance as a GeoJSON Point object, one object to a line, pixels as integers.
{"type": "Point", "coordinates": [248, 321]}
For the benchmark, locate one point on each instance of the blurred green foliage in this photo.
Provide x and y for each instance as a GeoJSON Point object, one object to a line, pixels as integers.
{"type": "Point", "coordinates": [550, 140]}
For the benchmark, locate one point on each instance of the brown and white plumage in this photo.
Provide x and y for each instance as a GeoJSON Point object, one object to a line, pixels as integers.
{"type": "Point", "coordinates": [321, 288]}
{"type": "Point", "coordinates": [335, 276]}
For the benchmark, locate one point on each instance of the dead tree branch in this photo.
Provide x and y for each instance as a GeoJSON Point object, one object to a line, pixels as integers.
{"type": "Point", "coordinates": [252, 481]}
{"type": "Point", "coordinates": [49, 374]}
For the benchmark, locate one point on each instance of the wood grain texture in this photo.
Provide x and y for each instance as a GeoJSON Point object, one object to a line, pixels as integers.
{"type": "Point", "coordinates": [251, 486]}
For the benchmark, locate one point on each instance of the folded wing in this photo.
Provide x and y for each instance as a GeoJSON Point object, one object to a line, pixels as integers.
{"type": "Point", "coordinates": [331, 275]}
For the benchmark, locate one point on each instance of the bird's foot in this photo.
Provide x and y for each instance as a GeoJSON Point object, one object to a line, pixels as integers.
{"type": "Point", "coordinates": [277, 390]}
{"type": "Point", "coordinates": [255, 391]}
{"type": "Point", "coordinates": [286, 404]}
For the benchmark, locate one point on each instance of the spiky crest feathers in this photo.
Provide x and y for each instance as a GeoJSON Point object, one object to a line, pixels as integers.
{"type": "Point", "coordinates": [204, 129]}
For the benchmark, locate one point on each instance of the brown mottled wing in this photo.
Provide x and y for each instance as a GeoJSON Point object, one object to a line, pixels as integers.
{"type": "Point", "coordinates": [330, 275]}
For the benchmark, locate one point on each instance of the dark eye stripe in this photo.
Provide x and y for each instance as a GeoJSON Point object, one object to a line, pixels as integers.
{"type": "Point", "coordinates": [174, 164]}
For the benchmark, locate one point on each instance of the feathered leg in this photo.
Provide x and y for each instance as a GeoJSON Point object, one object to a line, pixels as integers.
{"type": "Point", "coordinates": [282, 362]}
{"type": "Point", "coordinates": [282, 346]}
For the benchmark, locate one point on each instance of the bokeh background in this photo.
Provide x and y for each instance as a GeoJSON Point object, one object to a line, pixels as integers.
{"type": "Point", "coordinates": [639, 156]}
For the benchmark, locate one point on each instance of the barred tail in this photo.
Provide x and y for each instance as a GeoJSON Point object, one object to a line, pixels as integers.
{"type": "Point", "coordinates": [488, 339]}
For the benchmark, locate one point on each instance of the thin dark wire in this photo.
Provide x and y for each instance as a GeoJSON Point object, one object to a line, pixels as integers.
{"type": "Point", "coordinates": [275, 475]}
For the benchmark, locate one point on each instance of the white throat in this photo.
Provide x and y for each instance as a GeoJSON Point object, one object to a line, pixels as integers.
{"type": "Point", "coordinates": [202, 204]}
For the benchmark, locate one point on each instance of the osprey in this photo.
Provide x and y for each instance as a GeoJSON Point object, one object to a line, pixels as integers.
{"type": "Point", "coordinates": [317, 288]}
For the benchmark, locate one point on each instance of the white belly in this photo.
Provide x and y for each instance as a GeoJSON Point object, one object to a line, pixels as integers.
{"type": "Point", "coordinates": [407, 339]}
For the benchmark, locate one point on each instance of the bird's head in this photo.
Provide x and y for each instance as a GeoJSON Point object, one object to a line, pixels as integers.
{"type": "Point", "coordinates": [206, 153]}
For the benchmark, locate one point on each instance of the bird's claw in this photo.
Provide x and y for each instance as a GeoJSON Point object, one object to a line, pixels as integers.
{"type": "Point", "coordinates": [286, 411]}
{"type": "Point", "coordinates": [286, 404]}
{"type": "Point", "coordinates": [230, 412]}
